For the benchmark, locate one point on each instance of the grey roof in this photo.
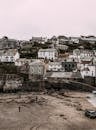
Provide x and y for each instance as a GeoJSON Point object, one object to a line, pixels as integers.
{"type": "Point", "coordinates": [8, 43]}
{"type": "Point", "coordinates": [89, 38]}
{"type": "Point", "coordinates": [62, 37]}
{"type": "Point", "coordinates": [37, 38]}
{"type": "Point", "coordinates": [74, 37]}
{"type": "Point", "coordinates": [47, 50]}
{"type": "Point", "coordinates": [54, 63]}
{"type": "Point", "coordinates": [24, 60]}
{"type": "Point", "coordinates": [36, 63]}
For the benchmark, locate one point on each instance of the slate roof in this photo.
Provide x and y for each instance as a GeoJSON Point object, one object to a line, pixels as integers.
{"type": "Point", "coordinates": [47, 50]}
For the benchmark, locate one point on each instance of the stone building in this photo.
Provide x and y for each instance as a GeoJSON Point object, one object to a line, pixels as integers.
{"type": "Point", "coordinates": [36, 70]}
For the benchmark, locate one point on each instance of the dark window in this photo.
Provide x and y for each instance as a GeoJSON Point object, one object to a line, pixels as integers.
{"type": "Point", "coordinates": [65, 65]}
{"type": "Point", "coordinates": [73, 65]}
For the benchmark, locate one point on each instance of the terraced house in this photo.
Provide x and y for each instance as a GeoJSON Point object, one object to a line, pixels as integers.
{"type": "Point", "coordinates": [48, 53]}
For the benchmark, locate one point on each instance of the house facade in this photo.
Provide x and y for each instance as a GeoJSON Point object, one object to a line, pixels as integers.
{"type": "Point", "coordinates": [10, 55]}
{"type": "Point", "coordinates": [86, 53]}
{"type": "Point", "coordinates": [88, 70]}
{"type": "Point", "coordinates": [48, 53]}
{"type": "Point", "coordinates": [83, 55]}
{"type": "Point", "coordinates": [74, 39]}
{"type": "Point", "coordinates": [54, 66]}
{"type": "Point", "coordinates": [36, 69]}
{"type": "Point", "coordinates": [69, 66]}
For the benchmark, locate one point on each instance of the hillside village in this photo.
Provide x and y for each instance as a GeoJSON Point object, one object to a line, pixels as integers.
{"type": "Point", "coordinates": [60, 59]}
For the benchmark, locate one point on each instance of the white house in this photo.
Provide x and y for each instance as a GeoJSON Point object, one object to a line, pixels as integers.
{"type": "Point", "coordinates": [54, 66]}
{"type": "Point", "coordinates": [83, 55]}
{"type": "Point", "coordinates": [86, 53]}
{"type": "Point", "coordinates": [10, 55]}
{"type": "Point", "coordinates": [88, 71]}
{"type": "Point", "coordinates": [48, 53]}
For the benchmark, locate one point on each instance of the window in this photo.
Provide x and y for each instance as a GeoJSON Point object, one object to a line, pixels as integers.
{"type": "Point", "coordinates": [32, 70]}
{"type": "Point", "coordinates": [65, 65]}
{"type": "Point", "coordinates": [39, 70]}
{"type": "Point", "coordinates": [11, 58]}
{"type": "Point", "coordinates": [69, 65]}
{"type": "Point", "coordinates": [73, 65]}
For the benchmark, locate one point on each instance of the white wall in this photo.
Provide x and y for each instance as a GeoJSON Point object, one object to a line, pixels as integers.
{"type": "Point", "coordinates": [12, 58]}
{"type": "Point", "coordinates": [48, 55]}
{"type": "Point", "coordinates": [91, 72]}
{"type": "Point", "coordinates": [54, 67]}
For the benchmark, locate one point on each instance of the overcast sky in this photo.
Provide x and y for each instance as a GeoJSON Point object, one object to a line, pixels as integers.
{"type": "Point", "coordinates": [23, 19]}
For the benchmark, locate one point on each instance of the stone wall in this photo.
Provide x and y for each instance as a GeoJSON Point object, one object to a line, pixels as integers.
{"type": "Point", "coordinates": [10, 82]}
{"type": "Point", "coordinates": [90, 80]}
{"type": "Point", "coordinates": [16, 83]}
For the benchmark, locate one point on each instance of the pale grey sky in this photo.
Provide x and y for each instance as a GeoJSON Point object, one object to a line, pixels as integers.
{"type": "Point", "coordinates": [23, 19]}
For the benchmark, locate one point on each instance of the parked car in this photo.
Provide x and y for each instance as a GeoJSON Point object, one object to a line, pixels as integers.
{"type": "Point", "coordinates": [90, 114]}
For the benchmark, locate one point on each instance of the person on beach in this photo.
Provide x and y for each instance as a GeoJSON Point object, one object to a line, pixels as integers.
{"type": "Point", "coordinates": [19, 108]}
{"type": "Point", "coordinates": [36, 98]}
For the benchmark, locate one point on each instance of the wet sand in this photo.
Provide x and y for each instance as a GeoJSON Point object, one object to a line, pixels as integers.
{"type": "Point", "coordinates": [45, 112]}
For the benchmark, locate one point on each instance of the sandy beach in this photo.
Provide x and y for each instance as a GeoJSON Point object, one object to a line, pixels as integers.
{"type": "Point", "coordinates": [39, 111]}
